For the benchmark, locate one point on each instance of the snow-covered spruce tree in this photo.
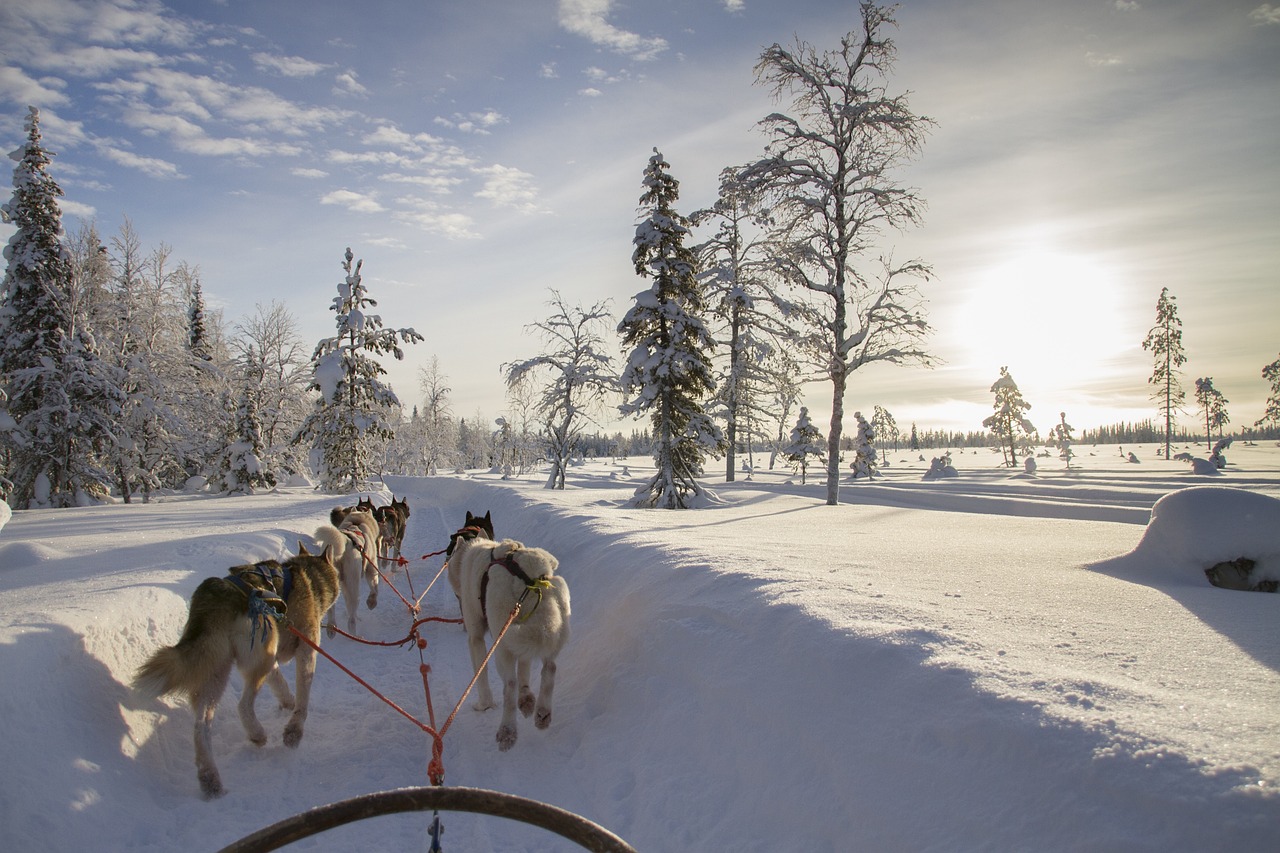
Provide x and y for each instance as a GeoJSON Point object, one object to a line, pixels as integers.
{"type": "Point", "coordinates": [439, 432]}
{"type": "Point", "coordinates": [864, 450]}
{"type": "Point", "coordinates": [350, 417]}
{"type": "Point", "coordinates": [1271, 415]}
{"type": "Point", "coordinates": [668, 373]}
{"type": "Point", "coordinates": [1164, 340]}
{"type": "Point", "coordinates": [243, 467]}
{"type": "Point", "coordinates": [829, 167]}
{"type": "Point", "coordinates": [63, 399]}
{"type": "Point", "coordinates": [1009, 416]}
{"type": "Point", "coordinates": [806, 441]}
{"type": "Point", "coordinates": [733, 277]}
{"type": "Point", "coordinates": [272, 333]}
{"type": "Point", "coordinates": [1214, 407]}
{"type": "Point", "coordinates": [580, 377]}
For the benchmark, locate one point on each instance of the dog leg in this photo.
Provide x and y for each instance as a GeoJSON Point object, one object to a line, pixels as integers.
{"type": "Point", "coordinates": [280, 687]}
{"type": "Point", "coordinates": [507, 666]}
{"type": "Point", "coordinates": [304, 663]}
{"type": "Point", "coordinates": [204, 703]}
{"type": "Point", "coordinates": [475, 642]}
{"type": "Point", "coordinates": [371, 575]}
{"type": "Point", "coordinates": [547, 683]}
{"type": "Point", "coordinates": [526, 694]}
{"type": "Point", "coordinates": [248, 716]}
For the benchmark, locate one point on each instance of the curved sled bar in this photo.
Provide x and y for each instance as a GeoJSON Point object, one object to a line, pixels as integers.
{"type": "Point", "coordinates": [574, 827]}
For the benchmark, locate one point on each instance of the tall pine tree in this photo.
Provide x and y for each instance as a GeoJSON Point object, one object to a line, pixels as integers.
{"type": "Point", "coordinates": [62, 397]}
{"type": "Point", "coordinates": [351, 415]}
{"type": "Point", "coordinates": [668, 373]}
{"type": "Point", "coordinates": [1009, 416]}
{"type": "Point", "coordinates": [1164, 340]}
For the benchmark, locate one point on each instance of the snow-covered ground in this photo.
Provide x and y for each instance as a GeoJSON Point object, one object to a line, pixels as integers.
{"type": "Point", "coordinates": [991, 662]}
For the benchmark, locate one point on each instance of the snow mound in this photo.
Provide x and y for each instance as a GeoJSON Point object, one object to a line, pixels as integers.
{"type": "Point", "coordinates": [26, 555]}
{"type": "Point", "coordinates": [1194, 529]}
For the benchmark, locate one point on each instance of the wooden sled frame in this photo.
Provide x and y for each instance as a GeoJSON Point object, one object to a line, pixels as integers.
{"type": "Point", "coordinates": [584, 833]}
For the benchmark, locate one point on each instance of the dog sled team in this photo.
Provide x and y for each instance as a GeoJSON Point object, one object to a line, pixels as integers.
{"type": "Point", "coordinates": [265, 614]}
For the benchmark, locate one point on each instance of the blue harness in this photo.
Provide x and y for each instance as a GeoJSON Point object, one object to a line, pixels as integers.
{"type": "Point", "coordinates": [264, 604]}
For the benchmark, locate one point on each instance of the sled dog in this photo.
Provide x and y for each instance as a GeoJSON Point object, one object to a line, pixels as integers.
{"type": "Point", "coordinates": [353, 545]}
{"type": "Point", "coordinates": [238, 620]}
{"type": "Point", "coordinates": [474, 528]}
{"type": "Point", "coordinates": [495, 576]}
{"type": "Point", "coordinates": [393, 519]}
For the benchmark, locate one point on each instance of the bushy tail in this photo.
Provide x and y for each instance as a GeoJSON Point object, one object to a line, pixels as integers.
{"type": "Point", "coordinates": [181, 669]}
{"type": "Point", "coordinates": [335, 540]}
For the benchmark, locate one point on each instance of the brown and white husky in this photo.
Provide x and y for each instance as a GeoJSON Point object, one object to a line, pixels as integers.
{"type": "Point", "coordinates": [236, 620]}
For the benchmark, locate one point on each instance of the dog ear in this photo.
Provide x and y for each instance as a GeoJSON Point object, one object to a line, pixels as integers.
{"type": "Point", "coordinates": [302, 550]}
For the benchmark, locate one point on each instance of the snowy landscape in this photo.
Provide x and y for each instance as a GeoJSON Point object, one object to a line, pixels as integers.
{"type": "Point", "coordinates": [993, 661]}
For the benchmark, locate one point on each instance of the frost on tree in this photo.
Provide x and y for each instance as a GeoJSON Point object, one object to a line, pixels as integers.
{"type": "Point", "coordinates": [668, 372]}
{"type": "Point", "coordinates": [351, 417]}
{"type": "Point", "coordinates": [830, 171]}
{"type": "Point", "coordinates": [580, 376]}
{"type": "Point", "coordinates": [806, 441]}
{"type": "Point", "coordinates": [864, 451]}
{"type": "Point", "coordinates": [1271, 414]}
{"type": "Point", "coordinates": [1060, 435]}
{"type": "Point", "coordinates": [62, 398]}
{"type": "Point", "coordinates": [1009, 417]}
{"type": "Point", "coordinates": [1214, 407]}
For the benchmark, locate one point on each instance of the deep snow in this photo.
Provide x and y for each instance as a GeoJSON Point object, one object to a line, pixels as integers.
{"type": "Point", "coordinates": [995, 661]}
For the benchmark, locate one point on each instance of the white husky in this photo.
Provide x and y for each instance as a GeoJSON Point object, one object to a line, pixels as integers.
{"type": "Point", "coordinates": [354, 545]}
{"type": "Point", "coordinates": [494, 577]}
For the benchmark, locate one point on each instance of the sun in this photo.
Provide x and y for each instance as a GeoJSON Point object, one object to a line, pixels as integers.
{"type": "Point", "coordinates": [1053, 317]}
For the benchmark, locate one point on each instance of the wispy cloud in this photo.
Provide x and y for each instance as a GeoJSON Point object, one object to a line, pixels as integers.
{"type": "Point", "coordinates": [20, 89]}
{"type": "Point", "coordinates": [288, 66]}
{"type": "Point", "coordinates": [359, 202]}
{"type": "Point", "coordinates": [1265, 15]}
{"type": "Point", "coordinates": [476, 122]}
{"type": "Point", "coordinates": [589, 19]}
{"type": "Point", "coordinates": [347, 84]}
{"type": "Point", "coordinates": [510, 188]}
{"type": "Point", "coordinates": [150, 166]}
{"type": "Point", "coordinates": [308, 173]}
{"type": "Point", "coordinates": [434, 219]}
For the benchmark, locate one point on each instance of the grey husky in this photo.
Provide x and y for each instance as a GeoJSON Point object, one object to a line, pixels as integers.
{"type": "Point", "coordinates": [239, 620]}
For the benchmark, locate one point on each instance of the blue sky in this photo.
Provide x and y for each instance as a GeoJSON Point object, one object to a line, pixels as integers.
{"type": "Point", "coordinates": [1086, 154]}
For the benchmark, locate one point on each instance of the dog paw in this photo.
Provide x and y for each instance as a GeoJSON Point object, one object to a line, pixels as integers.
{"type": "Point", "coordinates": [526, 704]}
{"type": "Point", "coordinates": [372, 601]}
{"type": "Point", "coordinates": [210, 785]}
{"type": "Point", "coordinates": [329, 631]}
{"type": "Point", "coordinates": [292, 735]}
{"type": "Point", "coordinates": [258, 738]}
{"type": "Point", "coordinates": [482, 705]}
{"type": "Point", "coordinates": [506, 737]}
{"type": "Point", "coordinates": [543, 719]}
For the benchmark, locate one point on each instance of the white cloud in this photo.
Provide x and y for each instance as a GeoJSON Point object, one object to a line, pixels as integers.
{"type": "Point", "coordinates": [1128, 5]}
{"type": "Point", "coordinates": [150, 166]}
{"type": "Point", "coordinates": [288, 66]}
{"type": "Point", "coordinates": [587, 18]}
{"type": "Point", "coordinates": [18, 88]}
{"type": "Point", "coordinates": [75, 208]}
{"type": "Point", "coordinates": [347, 84]}
{"type": "Point", "coordinates": [734, 5]}
{"type": "Point", "coordinates": [430, 217]}
{"type": "Point", "coordinates": [359, 202]}
{"type": "Point", "coordinates": [478, 122]}
{"type": "Point", "coordinates": [309, 173]}
{"type": "Point", "coordinates": [548, 71]}
{"type": "Point", "coordinates": [438, 183]}
{"type": "Point", "coordinates": [590, 92]}
{"type": "Point", "coordinates": [509, 187]}
{"type": "Point", "coordinates": [1265, 15]}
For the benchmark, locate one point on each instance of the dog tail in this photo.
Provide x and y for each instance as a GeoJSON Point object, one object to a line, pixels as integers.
{"type": "Point", "coordinates": [182, 669]}
{"type": "Point", "coordinates": [333, 539]}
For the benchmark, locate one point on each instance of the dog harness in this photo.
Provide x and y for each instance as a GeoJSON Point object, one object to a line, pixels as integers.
{"type": "Point", "coordinates": [530, 584]}
{"type": "Point", "coordinates": [264, 604]}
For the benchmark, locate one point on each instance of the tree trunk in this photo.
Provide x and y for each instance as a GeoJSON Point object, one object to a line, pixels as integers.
{"type": "Point", "coordinates": [838, 383]}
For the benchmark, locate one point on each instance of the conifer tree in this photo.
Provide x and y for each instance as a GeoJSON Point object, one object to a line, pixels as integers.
{"type": "Point", "coordinates": [350, 417]}
{"type": "Point", "coordinates": [806, 441]}
{"type": "Point", "coordinates": [62, 397]}
{"type": "Point", "coordinates": [864, 450]}
{"type": "Point", "coordinates": [1009, 416]}
{"type": "Point", "coordinates": [1164, 340]}
{"type": "Point", "coordinates": [1271, 415]}
{"type": "Point", "coordinates": [1061, 436]}
{"type": "Point", "coordinates": [1214, 406]}
{"type": "Point", "coordinates": [668, 373]}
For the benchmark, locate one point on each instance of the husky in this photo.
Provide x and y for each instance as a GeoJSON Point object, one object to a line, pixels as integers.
{"type": "Point", "coordinates": [475, 527]}
{"type": "Point", "coordinates": [393, 519]}
{"type": "Point", "coordinates": [238, 620]}
{"type": "Point", "coordinates": [495, 576]}
{"type": "Point", "coordinates": [354, 546]}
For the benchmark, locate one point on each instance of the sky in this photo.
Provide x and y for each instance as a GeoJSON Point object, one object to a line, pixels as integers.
{"type": "Point", "coordinates": [477, 155]}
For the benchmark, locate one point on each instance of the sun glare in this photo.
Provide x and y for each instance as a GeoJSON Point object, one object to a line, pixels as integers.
{"type": "Point", "coordinates": [1053, 318]}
